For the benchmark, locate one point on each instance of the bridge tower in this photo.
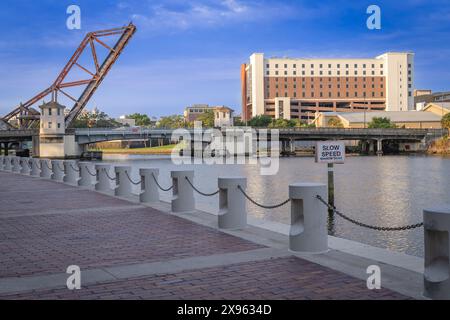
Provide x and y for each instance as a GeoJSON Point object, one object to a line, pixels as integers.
{"type": "Point", "coordinates": [53, 142]}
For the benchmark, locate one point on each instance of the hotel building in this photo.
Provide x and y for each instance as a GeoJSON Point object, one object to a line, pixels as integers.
{"type": "Point", "coordinates": [293, 88]}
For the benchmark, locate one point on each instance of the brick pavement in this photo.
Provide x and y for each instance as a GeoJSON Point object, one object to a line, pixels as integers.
{"type": "Point", "coordinates": [93, 237]}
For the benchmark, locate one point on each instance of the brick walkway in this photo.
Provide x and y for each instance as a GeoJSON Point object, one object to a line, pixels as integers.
{"type": "Point", "coordinates": [43, 232]}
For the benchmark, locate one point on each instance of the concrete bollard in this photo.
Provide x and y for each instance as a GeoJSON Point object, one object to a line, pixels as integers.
{"type": "Point", "coordinates": [102, 183]}
{"type": "Point", "coordinates": [85, 174]}
{"type": "Point", "coordinates": [232, 203]}
{"type": "Point", "coordinates": [57, 170]}
{"type": "Point", "coordinates": [149, 188]}
{"type": "Point", "coordinates": [2, 162]}
{"type": "Point", "coordinates": [308, 232]}
{"type": "Point", "coordinates": [35, 169]}
{"type": "Point", "coordinates": [16, 164]}
{"type": "Point", "coordinates": [123, 185]}
{"type": "Point", "coordinates": [72, 172]}
{"type": "Point", "coordinates": [46, 169]}
{"type": "Point", "coordinates": [25, 164]}
{"type": "Point", "coordinates": [182, 193]}
{"type": "Point", "coordinates": [7, 166]}
{"type": "Point", "coordinates": [437, 269]}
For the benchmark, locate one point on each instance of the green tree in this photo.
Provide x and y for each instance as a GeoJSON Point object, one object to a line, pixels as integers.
{"type": "Point", "coordinates": [282, 123]}
{"type": "Point", "coordinates": [446, 121]}
{"type": "Point", "coordinates": [95, 120]}
{"type": "Point", "coordinates": [335, 123]}
{"type": "Point", "coordinates": [260, 121]}
{"type": "Point", "coordinates": [141, 119]}
{"type": "Point", "coordinates": [207, 118]}
{"type": "Point", "coordinates": [381, 122]}
{"type": "Point", "coordinates": [171, 122]}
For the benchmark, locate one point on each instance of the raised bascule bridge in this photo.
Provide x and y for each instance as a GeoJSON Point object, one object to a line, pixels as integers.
{"type": "Point", "coordinates": [47, 127]}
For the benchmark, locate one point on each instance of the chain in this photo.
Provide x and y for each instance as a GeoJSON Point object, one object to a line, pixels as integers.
{"type": "Point", "coordinates": [159, 186]}
{"type": "Point", "coordinates": [128, 176]}
{"type": "Point", "coordinates": [202, 193]}
{"type": "Point", "coordinates": [92, 174]}
{"type": "Point", "coordinates": [340, 214]}
{"type": "Point", "coordinates": [74, 169]}
{"type": "Point", "coordinates": [261, 205]}
{"type": "Point", "coordinates": [107, 175]}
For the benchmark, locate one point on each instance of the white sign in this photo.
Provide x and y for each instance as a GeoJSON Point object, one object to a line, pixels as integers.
{"type": "Point", "coordinates": [330, 152]}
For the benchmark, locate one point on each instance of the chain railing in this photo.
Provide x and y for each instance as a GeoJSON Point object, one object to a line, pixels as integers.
{"type": "Point", "coordinates": [200, 192]}
{"type": "Point", "coordinates": [74, 169]}
{"type": "Point", "coordinates": [159, 186]}
{"type": "Point", "coordinates": [90, 173]}
{"type": "Point", "coordinates": [108, 176]}
{"type": "Point", "coordinates": [131, 180]}
{"type": "Point", "coordinates": [365, 225]}
{"type": "Point", "coordinates": [262, 205]}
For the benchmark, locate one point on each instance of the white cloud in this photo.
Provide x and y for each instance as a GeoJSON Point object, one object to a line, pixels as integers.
{"type": "Point", "coordinates": [208, 14]}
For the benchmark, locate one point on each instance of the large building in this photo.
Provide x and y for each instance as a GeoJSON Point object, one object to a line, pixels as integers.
{"type": "Point", "coordinates": [297, 88]}
{"type": "Point", "coordinates": [223, 115]}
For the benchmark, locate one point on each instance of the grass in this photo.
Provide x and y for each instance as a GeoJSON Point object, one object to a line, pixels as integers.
{"type": "Point", "coordinates": [167, 149]}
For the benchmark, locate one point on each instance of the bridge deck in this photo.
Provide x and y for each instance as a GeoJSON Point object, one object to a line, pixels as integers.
{"type": "Point", "coordinates": [126, 250]}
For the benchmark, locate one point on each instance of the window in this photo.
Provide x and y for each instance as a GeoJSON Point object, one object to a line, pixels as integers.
{"type": "Point", "coordinates": [346, 94]}
{"type": "Point", "coordinates": [356, 72]}
{"type": "Point", "coordinates": [382, 93]}
{"type": "Point", "coordinates": [320, 72]}
{"type": "Point", "coordinates": [346, 65]}
{"type": "Point", "coordinates": [267, 65]}
{"type": "Point", "coordinates": [381, 65]}
{"type": "Point", "coordinates": [373, 66]}
{"type": "Point", "coordinates": [49, 124]}
{"type": "Point", "coordinates": [364, 65]}
{"type": "Point", "coordinates": [285, 73]}
{"type": "Point", "coordinates": [276, 65]}
{"type": "Point", "coordinates": [329, 94]}
{"type": "Point", "coordinates": [373, 94]}
{"type": "Point", "coordinates": [356, 66]}
{"type": "Point", "coordinates": [409, 65]}
{"type": "Point", "coordinates": [276, 73]}
{"type": "Point", "coordinates": [59, 125]}
{"type": "Point", "coordinates": [346, 72]}
{"type": "Point", "coordinates": [339, 94]}
{"type": "Point", "coordinates": [49, 111]}
{"type": "Point", "coordinates": [59, 112]}
{"type": "Point", "coordinates": [329, 65]}
{"type": "Point", "coordinates": [356, 94]}
{"type": "Point", "coordinates": [338, 72]}
{"type": "Point", "coordinates": [381, 72]}
{"type": "Point", "coordinates": [321, 94]}
{"type": "Point", "coordinates": [267, 72]}
{"type": "Point", "coordinates": [320, 65]}
{"type": "Point", "coordinates": [303, 72]}
{"type": "Point", "coordinates": [285, 65]}
{"type": "Point", "coordinates": [295, 66]}
{"type": "Point", "coordinates": [373, 72]}
{"type": "Point", "coordinates": [329, 73]}
{"type": "Point", "coordinates": [312, 65]}
{"type": "Point", "coordinates": [312, 73]}
{"type": "Point", "coordinates": [312, 94]}
{"type": "Point", "coordinates": [303, 65]}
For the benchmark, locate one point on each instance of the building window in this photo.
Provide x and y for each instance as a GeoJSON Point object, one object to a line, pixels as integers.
{"type": "Point", "coordinates": [381, 72]}
{"type": "Point", "coordinates": [320, 66]}
{"type": "Point", "coordinates": [303, 94]}
{"type": "Point", "coordinates": [373, 94]}
{"type": "Point", "coordinates": [285, 65]}
{"type": "Point", "coordinates": [381, 65]}
{"type": "Point", "coordinates": [285, 73]}
{"type": "Point", "coordinates": [276, 73]}
{"type": "Point", "coordinates": [49, 124]}
{"type": "Point", "coordinates": [356, 66]}
{"type": "Point", "coordinates": [312, 66]}
{"type": "Point", "coordinates": [329, 94]}
{"type": "Point", "coordinates": [321, 94]}
{"type": "Point", "coordinates": [295, 73]}
{"type": "Point", "coordinates": [295, 66]}
{"type": "Point", "coordinates": [303, 72]}
{"type": "Point", "coordinates": [346, 94]}
{"type": "Point", "coordinates": [303, 65]}
{"type": "Point", "coordinates": [276, 65]}
{"type": "Point", "coordinates": [329, 73]}
{"type": "Point", "coordinates": [312, 73]}
{"type": "Point", "coordinates": [373, 66]}
{"type": "Point", "coordinates": [382, 93]}
{"type": "Point", "coordinates": [364, 72]}
{"type": "Point", "coordinates": [346, 72]}
{"type": "Point", "coordinates": [312, 94]}
{"type": "Point", "coordinates": [267, 65]}
{"type": "Point", "coordinates": [49, 111]}
{"type": "Point", "coordinates": [356, 94]}
{"type": "Point", "coordinates": [356, 72]}
{"type": "Point", "coordinates": [59, 125]}
{"type": "Point", "coordinates": [346, 65]}
{"type": "Point", "coordinates": [338, 72]}
{"type": "Point", "coordinates": [364, 65]}
{"type": "Point", "coordinates": [267, 72]}
{"type": "Point", "coordinates": [373, 72]}
{"type": "Point", "coordinates": [339, 94]}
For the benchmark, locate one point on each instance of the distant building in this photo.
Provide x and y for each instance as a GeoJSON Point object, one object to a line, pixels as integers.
{"type": "Point", "coordinates": [422, 100]}
{"type": "Point", "coordinates": [223, 115]}
{"type": "Point", "coordinates": [296, 88]}
{"type": "Point", "coordinates": [126, 121]}
{"type": "Point", "coordinates": [406, 119]}
{"type": "Point", "coordinates": [421, 92]}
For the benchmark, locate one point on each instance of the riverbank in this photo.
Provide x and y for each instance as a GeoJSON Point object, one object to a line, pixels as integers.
{"type": "Point", "coordinates": [440, 146]}
{"type": "Point", "coordinates": [160, 150]}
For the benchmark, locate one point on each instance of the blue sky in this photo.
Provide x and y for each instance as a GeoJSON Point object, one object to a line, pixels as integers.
{"type": "Point", "coordinates": [187, 52]}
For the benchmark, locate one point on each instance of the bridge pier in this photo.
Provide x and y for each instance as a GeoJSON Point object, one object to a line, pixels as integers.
{"type": "Point", "coordinates": [379, 147]}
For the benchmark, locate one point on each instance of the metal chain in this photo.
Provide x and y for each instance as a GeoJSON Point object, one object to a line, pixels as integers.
{"type": "Point", "coordinates": [262, 205]}
{"type": "Point", "coordinates": [107, 175]}
{"type": "Point", "coordinates": [92, 174]}
{"type": "Point", "coordinates": [74, 169]}
{"type": "Point", "coordinates": [159, 186]}
{"type": "Point", "coordinates": [361, 224]}
{"type": "Point", "coordinates": [202, 193]}
{"type": "Point", "coordinates": [128, 176]}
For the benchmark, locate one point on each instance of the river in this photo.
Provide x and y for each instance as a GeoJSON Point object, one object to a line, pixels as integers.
{"type": "Point", "coordinates": [385, 191]}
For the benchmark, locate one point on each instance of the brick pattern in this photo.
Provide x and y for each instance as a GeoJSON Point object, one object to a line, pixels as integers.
{"type": "Point", "coordinates": [49, 243]}
{"type": "Point", "coordinates": [285, 278]}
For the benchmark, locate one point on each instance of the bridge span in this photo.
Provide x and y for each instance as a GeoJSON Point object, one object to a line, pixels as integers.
{"type": "Point", "coordinates": [84, 137]}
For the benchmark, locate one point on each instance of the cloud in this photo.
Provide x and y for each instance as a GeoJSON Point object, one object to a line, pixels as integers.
{"type": "Point", "coordinates": [165, 18]}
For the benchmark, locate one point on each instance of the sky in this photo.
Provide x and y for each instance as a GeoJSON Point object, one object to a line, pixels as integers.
{"type": "Point", "coordinates": [186, 52]}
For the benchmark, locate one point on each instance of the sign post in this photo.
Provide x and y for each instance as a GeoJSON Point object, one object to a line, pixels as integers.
{"type": "Point", "coordinates": [330, 152]}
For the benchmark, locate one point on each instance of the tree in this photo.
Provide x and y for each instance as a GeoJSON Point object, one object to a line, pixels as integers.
{"type": "Point", "coordinates": [445, 122]}
{"type": "Point", "coordinates": [95, 120]}
{"type": "Point", "coordinates": [381, 122]}
{"type": "Point", "coordinates": [207, 118]}
{"type": "Point", "coordinates": [335, 123]}
{"type": "Point", "coordinates": [140, 119]}
{"type": "Point", "coordinates": [171, 122]}
{"type": "Point", "coordinates": [282, 123]}
{"type": "Point", "coordinates": [260, 121]}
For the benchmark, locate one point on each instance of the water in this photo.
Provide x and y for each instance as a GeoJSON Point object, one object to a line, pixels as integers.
{"type": "Point", "coordinates": [386, 191]}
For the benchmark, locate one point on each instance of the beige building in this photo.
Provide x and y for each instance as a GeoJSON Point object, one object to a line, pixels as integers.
{"type": "Point", "coordinates": [223, 115]}
{"type": "Point", "coordinates": [403, 119]}
{"type": "Point", "coordinates": [292, 88]}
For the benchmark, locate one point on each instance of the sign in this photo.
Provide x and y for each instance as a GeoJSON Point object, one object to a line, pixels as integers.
{"type": "Point", "coordinates": [330, 152]}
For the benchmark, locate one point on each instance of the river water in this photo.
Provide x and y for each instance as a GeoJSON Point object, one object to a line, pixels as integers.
{"type": "Point", "coordinates": [386, 191]}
